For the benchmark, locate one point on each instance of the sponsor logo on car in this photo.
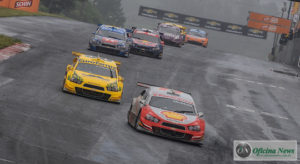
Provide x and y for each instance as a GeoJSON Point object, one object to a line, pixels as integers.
{"type": "Point", "coordinates": [23, 3]}
{"type": "Point", "coordinates": [174, 115]}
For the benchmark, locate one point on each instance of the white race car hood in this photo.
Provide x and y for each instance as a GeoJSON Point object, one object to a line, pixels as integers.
{"type": "Point", "coordinates": [173, 116]}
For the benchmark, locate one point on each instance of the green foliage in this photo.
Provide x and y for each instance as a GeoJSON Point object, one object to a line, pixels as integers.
{"type": "Point", "coordinates": [7, 41]}
{"type": "Point", "coordinates": [92, 11]}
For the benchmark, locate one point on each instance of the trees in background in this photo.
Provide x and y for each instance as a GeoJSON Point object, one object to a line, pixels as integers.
{"type": "Point", "coordinates": [92, 11]}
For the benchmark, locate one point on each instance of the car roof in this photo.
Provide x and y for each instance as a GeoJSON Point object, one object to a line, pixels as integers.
{"type": "Point", "coordinates": [113, 29]}
{"type": "Point", "coordinates": [172, 94]}
{"type": "Point", "coordinates": [97, 60]}
{"type": "Point", "coordinates": [177, 25]}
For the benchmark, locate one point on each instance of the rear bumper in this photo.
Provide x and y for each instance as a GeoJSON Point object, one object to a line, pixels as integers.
{"type": "Point", "coordinates": [109, 50]}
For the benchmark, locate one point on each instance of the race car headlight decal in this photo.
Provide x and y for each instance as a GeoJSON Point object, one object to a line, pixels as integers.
{"type": "Point", "coordinates": [95, 41]}
{"type": "Point", "coordinates": [194, 128]}
{"type": "Point", "coordinates": [112, 87]}
{"type": "Point", "coordinates": [151, 118]}
{"type": "Point", "coordinates": [121, 45]}
{"type": "Point", "coordinates": [76, 79]}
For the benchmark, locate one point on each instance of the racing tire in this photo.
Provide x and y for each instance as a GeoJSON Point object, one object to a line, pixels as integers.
{"type": "Point", "coordinates": [127, 55]}
{"type": "Point", "coordinates": [136, 125]}
{"type": "Point", "coordinates": [63, 86]}
{"type": "Point", "coordinates": [128, 115]}
{"type": "Point", "coordinates": [160, 56]}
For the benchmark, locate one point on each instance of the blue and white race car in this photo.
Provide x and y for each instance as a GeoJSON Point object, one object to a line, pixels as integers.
{"type": "Point", "coordinates": [110, 39]}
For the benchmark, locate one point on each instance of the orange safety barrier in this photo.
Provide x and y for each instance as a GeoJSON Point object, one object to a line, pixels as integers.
{"type": "Point", "coordinates": [269, 19]}
{"type": "Point", "coordinates": [26, 5]}
{"type": "Point", "coordinates": [268, 27]}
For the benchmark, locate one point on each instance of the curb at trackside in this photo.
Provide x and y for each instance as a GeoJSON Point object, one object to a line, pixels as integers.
{"type": "Point", "coordinates": [11, 51]}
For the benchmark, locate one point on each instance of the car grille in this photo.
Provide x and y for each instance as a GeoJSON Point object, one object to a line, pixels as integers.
{"type": "Point", "coordinates": [171, 134]}
{"type": "Point", "coordinates": [94, 87]}
{"type": "Point", "coordinates": [144, 48]}
{"type": "Point", "coordinates": [92, 94]}
{"type": "Point", "coordinates": [173, 126]}
{"type": "Point", "coordinates": [108, 45]}
{"type": "Point", "coordinates": [141, 52]}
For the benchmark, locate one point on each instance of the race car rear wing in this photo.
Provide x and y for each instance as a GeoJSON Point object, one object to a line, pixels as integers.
{"type": "Point", "coordinates": [77, 54]}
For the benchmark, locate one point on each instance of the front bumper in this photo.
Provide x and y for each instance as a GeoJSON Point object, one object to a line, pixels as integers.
{"type": "Point", "coordinates": [81, 90]}
{"type": "Point", "coordinates": [173, 133]}
{"type": "Point", "coordinates": [145, 51]}
{"type": "Point", "coordinates": [173, 42]}
{"type": "Point", "coordinates": [109, 50]}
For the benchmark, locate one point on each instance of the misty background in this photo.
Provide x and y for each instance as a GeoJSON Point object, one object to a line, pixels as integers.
{"type": "Point", "coordinates": [233, 11]}
{"type": "Point", "coordinates": [125, 13]}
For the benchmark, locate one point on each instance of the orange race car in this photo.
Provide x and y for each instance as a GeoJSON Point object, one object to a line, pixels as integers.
{"type": "Point", "coordinates": [197, 36]}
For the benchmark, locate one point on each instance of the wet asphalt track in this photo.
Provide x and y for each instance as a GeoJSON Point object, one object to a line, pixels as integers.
{"type": "Point", "coordinates": [240, 97]}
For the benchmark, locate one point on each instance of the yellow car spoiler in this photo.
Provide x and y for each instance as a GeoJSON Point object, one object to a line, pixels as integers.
{"type": "Point", "coordinates": [77, 54]}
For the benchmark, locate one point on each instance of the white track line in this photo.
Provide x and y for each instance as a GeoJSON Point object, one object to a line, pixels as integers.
{"type": "Point", "coordinates": [253, 111]}
{"type": "Point", "coordinates": [259, 83]}
{"type": "Point", "coordinates": [5, 160]}
{"type": "Point", "coordinates": [6, 81]}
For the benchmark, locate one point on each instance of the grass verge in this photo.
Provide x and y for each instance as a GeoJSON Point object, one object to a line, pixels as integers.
{"type": "Point", "coordinates": [6, 12]}
{"type": "Point", "coordinates": [6, 41]}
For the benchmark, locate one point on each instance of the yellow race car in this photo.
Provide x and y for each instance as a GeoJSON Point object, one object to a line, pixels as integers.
{"type": "Point", "coordinates": [182, 28]}
{"type": "Point", "coordinates": [94, 77]}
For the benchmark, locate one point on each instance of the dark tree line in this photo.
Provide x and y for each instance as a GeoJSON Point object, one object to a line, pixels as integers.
{"type": "Point", "coordinates": [92, 11]}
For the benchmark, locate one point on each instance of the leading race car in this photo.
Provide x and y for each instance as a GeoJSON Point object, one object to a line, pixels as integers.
{"type": "Point", "coordinates": [147, 42]}
{"type": "Point", "coordinates": [168, 113]}
{"type": "Point", "coordinates": [171, 34]}
{"type": "Point", "coordinates": [183, 29]}
{"type": "Point", "coordinates": [110, 39]}
{"type": "Point", "coordinates": [197, 36]}
{"type": "Point", "coordinates": [94, 77]}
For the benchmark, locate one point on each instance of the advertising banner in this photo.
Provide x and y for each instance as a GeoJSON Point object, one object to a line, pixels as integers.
{"type": "Point", "coordinates": [216, 25]}
{"type": "Point", "coordinates": [268, 27]}
{"type": "Point", "coordinates": [269, 19]}
{"type": "Point", "coordinates": [26, 5]}
{"type": "Point", "coordinates": [4, 3]}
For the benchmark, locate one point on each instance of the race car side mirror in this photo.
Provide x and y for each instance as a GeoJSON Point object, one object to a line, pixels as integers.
{"type": "Point", "coordinates": [121, 78]}
{"type": "Point", "coordinates": [69, 67]}
{"type": "Point", "coordinates": [200, 114]}
{"type": "Point", "coordinates": [143, 102]}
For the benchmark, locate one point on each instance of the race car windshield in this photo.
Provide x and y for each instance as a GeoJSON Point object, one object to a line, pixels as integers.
{"type": "Point", "coordinates": [111, 34]}
{"type": "Point", "coordinates": [202, 34]}
{"type": "Point", "coordinates": [96, 69]}
{"type": "Point", "coordinates": [171, 105]}
{"type": "Point", "coordinates": [169, 30]}
{"type": "Point", "coordinates": [146, 37]}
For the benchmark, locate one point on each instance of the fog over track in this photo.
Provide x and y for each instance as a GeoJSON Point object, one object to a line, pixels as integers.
{"type": "Point", "coordinates": [232, 11]}
{"type": "Point", "coordinates": [241, 99]}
